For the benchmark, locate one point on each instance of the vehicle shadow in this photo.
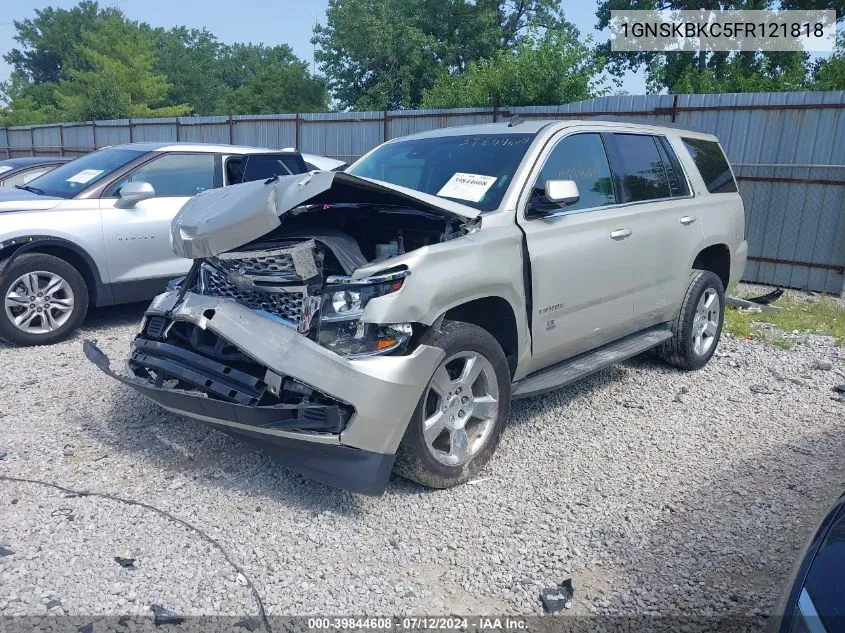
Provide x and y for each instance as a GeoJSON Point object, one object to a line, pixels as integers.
{"type": "Point", "coordinates": [180, 447]}
{"type": "Point", "coordinates": [525, 410]}
{"type": "Point", "coordinates": [763, 508]}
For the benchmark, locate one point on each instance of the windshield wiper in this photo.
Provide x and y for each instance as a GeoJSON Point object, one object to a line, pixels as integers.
{"type": "Point", "coordinates": [31, 189]}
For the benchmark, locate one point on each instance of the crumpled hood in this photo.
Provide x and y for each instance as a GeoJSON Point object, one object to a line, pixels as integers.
{"type": "Point", "coordinates": [219, 220]}
{"type": "Point", "coordinates": [13, 199]}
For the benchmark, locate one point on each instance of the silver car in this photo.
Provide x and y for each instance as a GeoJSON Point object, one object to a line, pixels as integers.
{"type": "Point", "coordinates": [19, 171]}
{"type": "Point", "coordinates": [385, 317]}
{"type": "Point", "coordinates": [96, 231]}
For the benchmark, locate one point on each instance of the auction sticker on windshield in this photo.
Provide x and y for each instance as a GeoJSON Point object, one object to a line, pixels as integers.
{"type": "Point", "coordinates": [85, 175]}
{"type": "Point", "coordinates": [470, 187]}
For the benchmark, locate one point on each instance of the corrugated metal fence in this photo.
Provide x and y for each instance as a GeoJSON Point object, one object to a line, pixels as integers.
{"type": "Point", "coordinates": [788, 151]}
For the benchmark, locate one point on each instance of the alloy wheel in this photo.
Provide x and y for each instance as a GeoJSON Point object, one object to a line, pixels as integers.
{"type": "Point", "coordinates": [705, 325]}
{"type": "Point", "coordinates": [39, 302]}
{"type": "Point", "coordinates": [460, 408]}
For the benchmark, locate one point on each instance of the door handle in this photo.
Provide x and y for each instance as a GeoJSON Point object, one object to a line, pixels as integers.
{"type": "Point", "coordinates": [688, 219]}
{"type": "Point", "coordinates": [620, 234]}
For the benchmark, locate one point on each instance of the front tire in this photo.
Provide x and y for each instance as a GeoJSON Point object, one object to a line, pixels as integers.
{"type": "Point", "coordinates": [44, 299]}
{"type": "Point", "coordinates": [459, 419]}
{"type": "Point", "coordinates": [698, 327]}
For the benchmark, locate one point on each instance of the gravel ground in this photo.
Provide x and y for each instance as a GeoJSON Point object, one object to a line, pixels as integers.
{"type": "Point", "coordinates": [656, 491]}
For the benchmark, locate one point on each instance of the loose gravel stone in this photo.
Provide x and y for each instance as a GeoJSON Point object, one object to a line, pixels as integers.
{"type": "Point", "coordinates": [824, 364]}
{"type": "Point", "coordinates": [650, 502]}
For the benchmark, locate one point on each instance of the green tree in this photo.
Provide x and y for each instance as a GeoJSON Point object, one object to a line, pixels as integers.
{"type": "Point", "coordinates": [747, 72]}
{"type": "Point", "coordinates": [271, 80]}
{"type": "Point", "coordinates": [381, 54]}
{"type": "Point", "coordinates": [712, 71]}
{"type": "Point", "coordinates": [105, 69]}
{"type": "Point", "coordinates": [49, 49]}
{"type": "Point", "coordinates": [556, 68]}
{"type": "Point", "coordinates": [189, 59]}
{"type": "Point", "coordinates": [116, 75]}
{"type": "Point", "coordinates": [829, 74]}
{"type": "Point", "coordinates": [22, 102]}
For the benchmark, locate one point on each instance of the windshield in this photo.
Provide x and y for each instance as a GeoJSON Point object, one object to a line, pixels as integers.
{"type": "Point", "coordinates": [69, 179]}
{"type": "Point", "coordinates": [475, 169]}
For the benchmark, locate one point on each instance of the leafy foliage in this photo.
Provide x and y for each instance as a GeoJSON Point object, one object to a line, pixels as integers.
{"type": "Point", "coordinates": [190, 59]}
{"type": "Point", "coordinates": [279, 84]}
{"type": "Point", "coordinates": [829, 74]}
{"type": "Point", "coordinates": [90, 62]}
{"type": "Point", "coordinates": [384, 54]}
{"type": "Point", "coordinates": [115, 78]}
{"type": "Point", "coordinates": [716, 71]}
{"type": "Point", "coordinates": [554, 69]}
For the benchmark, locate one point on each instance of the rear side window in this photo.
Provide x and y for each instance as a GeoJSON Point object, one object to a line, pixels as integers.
{"type": "Point", "coordinates": [677, 181]}
{"type": "Point", "coordinates": [712, 165]}
{"type": "Point", "coordinates": [262, 166]}
{"type": "Point", "coordinates": [638, 167]}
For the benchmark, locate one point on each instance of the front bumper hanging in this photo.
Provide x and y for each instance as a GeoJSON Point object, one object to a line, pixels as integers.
{"type": "Point", "coordinates": [239, 371]}
{"type": "Point", "coordinates": [352, 469]}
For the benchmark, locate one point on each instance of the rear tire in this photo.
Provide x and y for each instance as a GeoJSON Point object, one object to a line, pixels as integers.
{"type": "Point", "coordinates": [698, 326]}
{"type": "Point", "coordinates": [44, 299]}
{"type": "Point", "coordinates": [459, 419]}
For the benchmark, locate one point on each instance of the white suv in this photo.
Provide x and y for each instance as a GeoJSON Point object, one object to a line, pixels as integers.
{"type": "Point", "coordinates": [382, 317]}
{"type": "Point", "coordinates": [97, 230]}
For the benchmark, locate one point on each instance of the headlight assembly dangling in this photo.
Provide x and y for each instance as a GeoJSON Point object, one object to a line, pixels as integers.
{"type": "Point", "coordinates": [341, 329]}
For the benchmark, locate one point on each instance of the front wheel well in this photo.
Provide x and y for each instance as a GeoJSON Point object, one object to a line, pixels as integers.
{"type": "Point", "coordinates": [495, 315]}
{"type": "Point", "coordinates": [716, 259]}
{"type": "Point", "coordinates": [66, 253]}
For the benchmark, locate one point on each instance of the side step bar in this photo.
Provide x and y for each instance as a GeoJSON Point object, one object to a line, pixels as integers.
{"type": "Point", "coordinates": [569, 371]}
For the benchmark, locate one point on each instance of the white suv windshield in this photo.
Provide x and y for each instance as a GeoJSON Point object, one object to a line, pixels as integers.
{"type": "Point", "coordinates": [69, 179]}
{"type": "Point", "coordinates": [475, 169]}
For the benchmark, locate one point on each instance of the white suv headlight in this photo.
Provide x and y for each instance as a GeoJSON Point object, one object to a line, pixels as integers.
{"type": "Point", "coordinates": [341, 329]}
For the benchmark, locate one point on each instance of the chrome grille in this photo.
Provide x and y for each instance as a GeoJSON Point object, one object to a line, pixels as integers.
{"type": "Point", "coordinates": [288, 304]}
{"type": "Point", "coordinates": [258, 264]}
{"type": "Point", "coordinates": [294, 263]}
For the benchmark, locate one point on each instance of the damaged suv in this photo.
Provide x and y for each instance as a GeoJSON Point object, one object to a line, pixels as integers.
{"type": "Point", "coordinates": [385, 317]}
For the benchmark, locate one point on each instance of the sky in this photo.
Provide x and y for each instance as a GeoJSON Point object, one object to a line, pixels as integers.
{"type": "Point", "coordinates": [257, 21]}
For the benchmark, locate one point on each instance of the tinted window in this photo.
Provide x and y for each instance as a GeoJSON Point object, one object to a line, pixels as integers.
{"type": "Point", "coordinates": [580, 158]}
{"type": "Point", "coordinates": [639, 167]}
{"type": "Point", "coordinates": [174, 175]}
{"type": "Point", "coordinates": [712, 165]}
{"type": "Point", "coordinates": [262, 166]}
{"type": "Point", "coordinates": [677, 182]}
{"type": "Point", "coordinates": [69, 179]}
{"type": "Point", "coordinates": [484, 162]}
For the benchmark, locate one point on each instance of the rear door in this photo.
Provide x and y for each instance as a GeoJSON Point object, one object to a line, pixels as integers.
{"type": "Point", "coordinates": [582, 255]}
{"type": "Point", "coordinates": [663, 217]}
{"type": "Point", "coordinates": [137, 239]}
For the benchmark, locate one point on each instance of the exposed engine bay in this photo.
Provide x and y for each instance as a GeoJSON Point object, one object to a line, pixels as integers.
{"type": "Point", "coordinates": [300, 271]}
{"type": "Point", "coordinates": [287, 250]}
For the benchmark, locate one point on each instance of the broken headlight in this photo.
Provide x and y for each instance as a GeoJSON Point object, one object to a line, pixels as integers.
{"type": "Point", "coordinates": [341, 329]}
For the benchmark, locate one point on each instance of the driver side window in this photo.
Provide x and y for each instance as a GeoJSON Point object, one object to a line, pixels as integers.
{"type": "Point", "coordinates": [582, 158]}
{"type": "Point", "coordinates": [173, 175]}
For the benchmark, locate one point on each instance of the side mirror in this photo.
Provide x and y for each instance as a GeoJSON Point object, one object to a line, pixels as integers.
{"type": "Point", "coordinates": [562, 191]}
{"type": "Point", "coordinates": [134, 192]}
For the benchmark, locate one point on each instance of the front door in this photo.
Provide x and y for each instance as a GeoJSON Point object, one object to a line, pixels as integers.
{"type": "Point", "coordinates": [581, 255]}
{"type": "Point", "coordinates": [137, 239]}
